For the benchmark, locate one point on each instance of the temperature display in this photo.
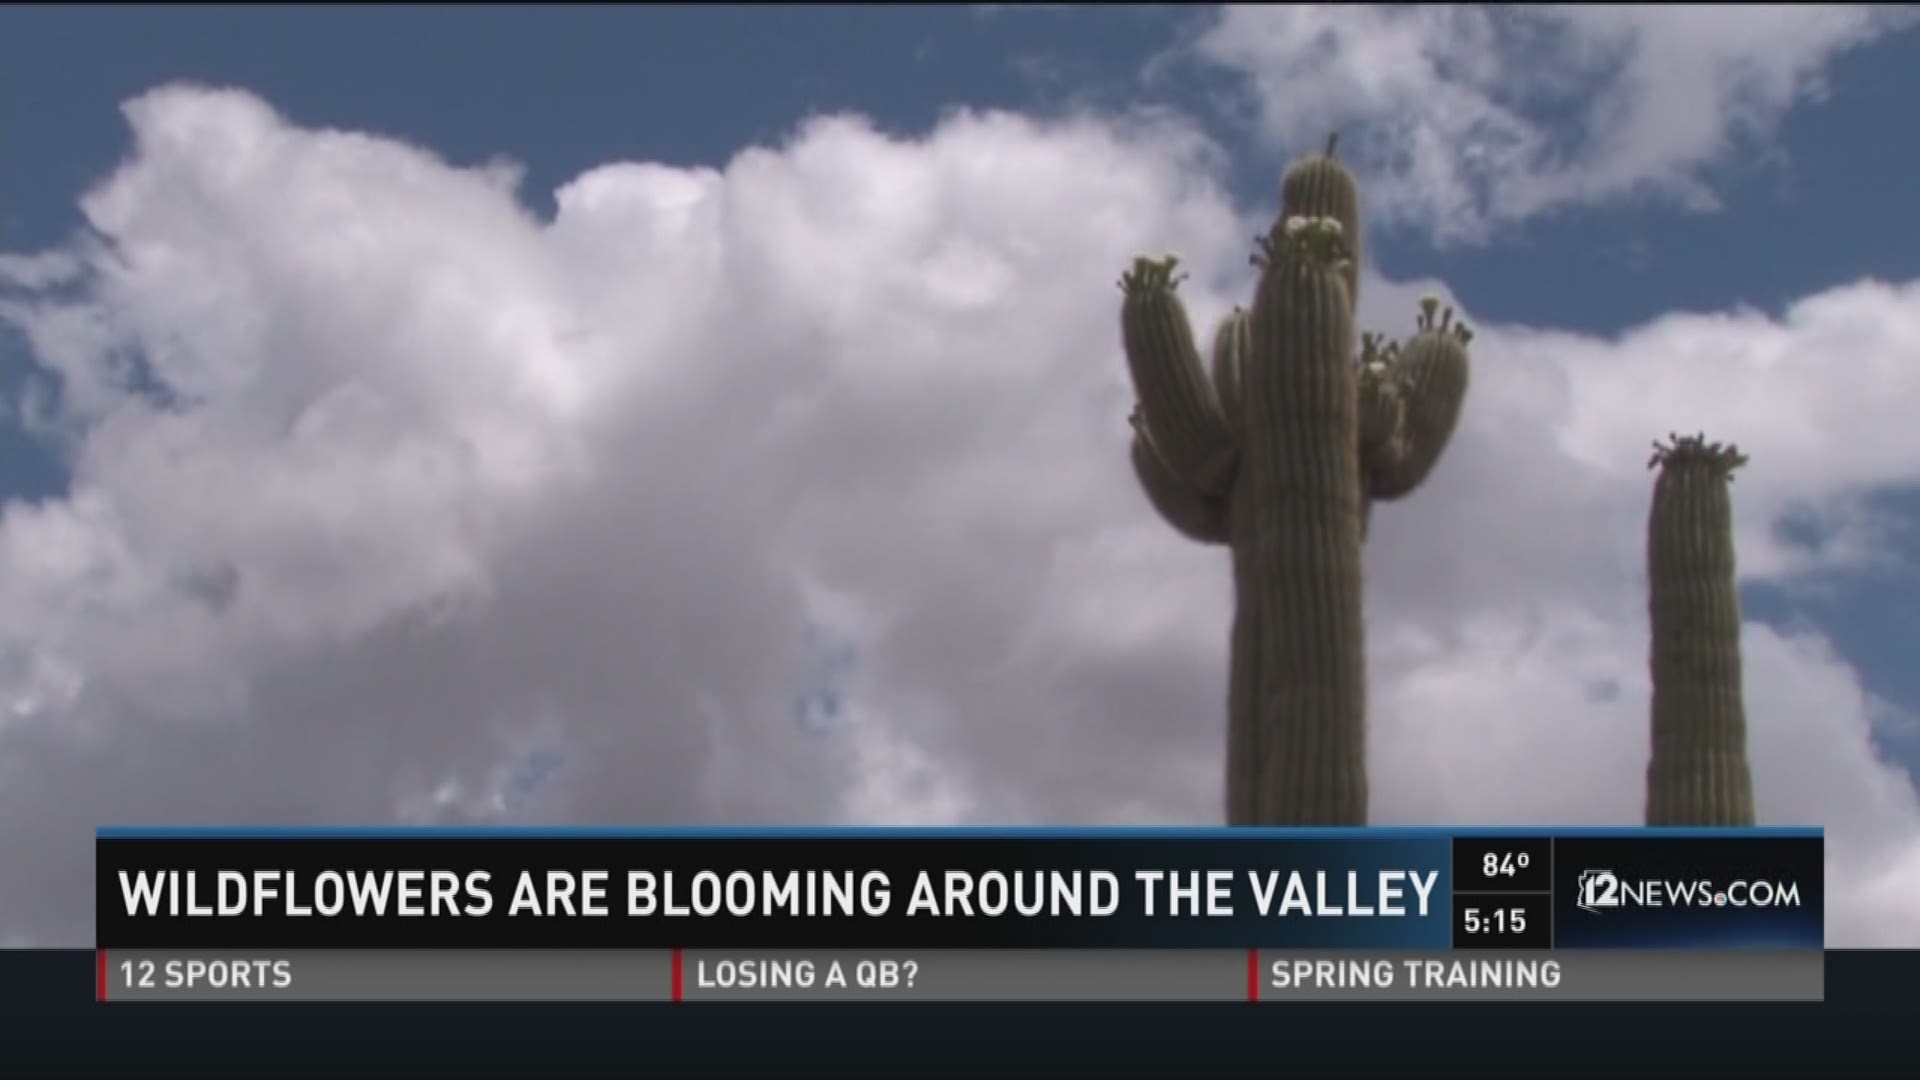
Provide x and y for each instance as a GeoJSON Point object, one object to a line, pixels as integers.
{"type": "Point", "coordinates": [1499, 865]}
{"type": "Point", "coordinates": [1502, 892]}
{"type": "Point", "coordinates": [1505, 864]}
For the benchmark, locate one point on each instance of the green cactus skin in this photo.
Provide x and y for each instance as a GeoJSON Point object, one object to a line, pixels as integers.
{"type": "Point", "coordinates": [1297, 541]}
{"type": "Point", "coordinates": [1429, 374]}
{"type": "Point", "coordinates": [1697, 774]}
{"type": "Point", "coordinates": [1279, 456]}
{"type": "Point", "coordinates": [1383, 417]}
{"type": "Point", "coordinates": [1432, 372]}
{"type": "Point", "coordinates": [1322, 187]}
{"type": "Point", "coordinates": [1231, 343]}
{"type": "Point", "coordinates": [1178, 403]}
{"type": "Point", "coordinates": [1194, 514]}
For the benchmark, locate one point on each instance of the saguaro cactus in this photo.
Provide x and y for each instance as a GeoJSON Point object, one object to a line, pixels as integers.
{"type": "Point", "coordinates": [1277, 448]}
{"type": "Point", "coordinates": [1697, 774]}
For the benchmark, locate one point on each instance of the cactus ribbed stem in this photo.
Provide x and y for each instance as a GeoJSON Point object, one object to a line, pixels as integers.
{"type": "Point", "coordinates": [1243, 762]}
{"type": "Point", "coordinates": [1194, 514]}
{"type": "Point", "coordinates": [1231, 343]}
{"type": "Point", "coordinates": [1322, 187]}
{"type": "Point", "coordinates": [1432, 374]}
{"type": "Point", "coordinates": [1300, 544]}
{"type": "Point", "coordinates": [1282, 451]}
{"type": "Point", "coordinates": [1697, 774]}
{"type": "Point", "coordinates": [1383, 419]}
{"type": "Point", "coordinates": [1180, 406]}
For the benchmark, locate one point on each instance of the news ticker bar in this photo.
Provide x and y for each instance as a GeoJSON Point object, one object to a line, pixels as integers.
{"type": "Point", "coordinates": [1383, 889]}
{"type": "Point", "coordinates": [953, 975]}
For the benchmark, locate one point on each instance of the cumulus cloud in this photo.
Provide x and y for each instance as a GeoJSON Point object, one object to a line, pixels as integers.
{"type": "Point", "coordinates": [393, 502]}
{"type": "Point", "coordinates": [1467, 117]}
{"type": "Point", "coordinates": [1507, 597]}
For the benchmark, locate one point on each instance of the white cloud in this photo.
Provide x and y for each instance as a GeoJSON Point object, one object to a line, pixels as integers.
{"type": "Point", "coordinates": [441, 486]}
{"type": "Point", "coordinates": [1467, 117]}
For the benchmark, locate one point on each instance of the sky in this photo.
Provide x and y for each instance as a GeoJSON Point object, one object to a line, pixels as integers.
{"type": "Point", "coordinates": [717, 415]}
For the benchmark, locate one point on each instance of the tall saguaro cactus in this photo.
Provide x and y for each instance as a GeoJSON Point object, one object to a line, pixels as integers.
{"type": "Point", "coordinates": [1697, 774]}
{"type": "Point", "coordinates": [1277, 448]}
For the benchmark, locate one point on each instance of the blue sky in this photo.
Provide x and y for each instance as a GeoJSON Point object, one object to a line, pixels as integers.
{"type": "Point", "coordinates": [1805, 182]}
{"type": "Point", "coordinates": [692, 85]}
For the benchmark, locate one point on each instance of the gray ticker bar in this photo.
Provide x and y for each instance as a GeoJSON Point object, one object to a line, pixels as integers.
{"type": "Point", "coordinates": [972, 975]}
{"type": "Point", "coordinates": [391, 975]}
{"type": "Point", "coordinates": [935, 975]}
{"type": "Point", "coordinates": [1572, 975]}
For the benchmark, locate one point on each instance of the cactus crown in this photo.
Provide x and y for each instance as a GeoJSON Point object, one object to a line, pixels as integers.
{"type": "Point", "coordinates": [1722, 458]}
{"type": "Point", "coordinates": [1445, 323]}
{"type": "Point", "coordinates": [1315, 241]}
{"type": "Point", "coordinates": [1376, 351]}
{"type": "Point", "coordinates": [1151, 275]}
{"type": "Point", "coordinates": [1375, 376]}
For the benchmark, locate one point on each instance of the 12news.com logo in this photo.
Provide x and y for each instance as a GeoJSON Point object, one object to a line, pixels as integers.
{"type": "Point", "coordinates": [1601, 890]}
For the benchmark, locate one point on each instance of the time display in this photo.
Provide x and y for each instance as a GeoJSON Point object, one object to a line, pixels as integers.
{"type": "Point", "coordinates": [1500, 921]}
{"type": "Point", "coordinates": [1495, 921]}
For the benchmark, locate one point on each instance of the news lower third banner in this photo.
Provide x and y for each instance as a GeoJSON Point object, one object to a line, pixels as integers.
{"type": "Point", "coordinates": [708, 914]}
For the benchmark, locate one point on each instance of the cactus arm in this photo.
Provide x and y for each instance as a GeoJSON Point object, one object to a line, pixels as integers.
{"type": "Point", "coordinates": [1182, 412]}
{"type": "Point", "coordinates": [1432, 373]}
{"type": "Point", "coordinates": [1697, 772]}
{"type": "Point", "coordinates": [1193, 513]}
{"type": "Point", "coordinates": [1231, 342]}
{"type": "Point", "coordinates": [1383, 417]}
